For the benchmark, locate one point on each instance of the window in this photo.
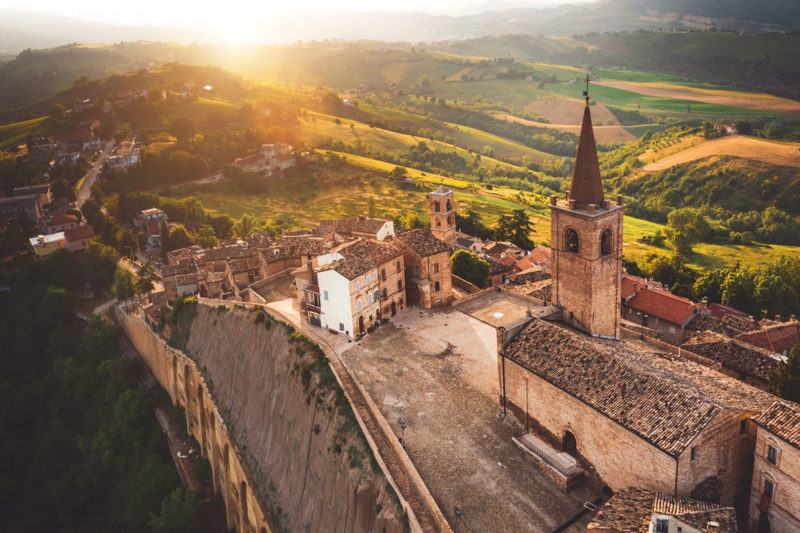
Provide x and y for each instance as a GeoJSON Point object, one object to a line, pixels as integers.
{"type": "Point", "coordinates": [743, 427]}
{"type": "Point", "coordinates": [436, 286]}
{"type": "Point", "coordinates": [358, 286]}
{"type": "Point", "coordinates": [397, 265]}
{"type": "Point", "coordinates": [448, 205]}
{"type": "Point", "coordinates": [769, 488]}
{"type": "Point", "coordinates": [325, 294]}
{"type": "Point", "coordinates": [377, 294]}
{"type": "Point", "coordinates": [772, 454]}
{"type": "Point", "coordinates": [359, 305]}
{"type": "Point", "coordinates": [385, 292]}
{"type": "Point", "coordinates": [572, 241]}
{"type": "Point", "coordinates": [694, 454]}
{"type": "Point", "coordinates": [436, 268]}
{"type": "Point", "coordinates": [341, 326]}
{"type": "Point", "coordinates": [438, 222]}
{"type": "Point", "coordinates": [399, 284]}
{"type": "Point", "coordinates": [662, 525]}
{"type": "Point", "coordinates": [436, 207]}
{"type": "Point", "coordinates": [383, 274]}
{"type": "Point", "coordinates": [605, 243]}
{"type": "Point", "coordinates": [369, 299]}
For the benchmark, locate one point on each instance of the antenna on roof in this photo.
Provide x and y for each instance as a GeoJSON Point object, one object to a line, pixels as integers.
{"type": "Point", "coordinates": [586, 92]}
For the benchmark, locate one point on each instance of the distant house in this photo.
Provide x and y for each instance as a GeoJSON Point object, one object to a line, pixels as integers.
{"type": "Point", "coordinates": [78, 238]}
{"type": "Point", "coordinates": [149, 221]}
{"type": "Point", "coordinates": [43, 191]}
{"type": "Point", "coordinates": [353, 228]}
{"type": "Point", "coordinates": [128, 159]}
{"type": "Point", "coordinates": [56, 223]}
{"type": "Point", "coordinates": [43, 245]}
{"type": "Point", "coordinates": [252, 163]}
{"type": "Point", "coordinates": [278, 156]}
{"type": "Point", "coordinates": [778, 338]}
{"type": "Point", "coordinates": [17, 208]}
{"type": "Point", "coordinates": [282, 162]}
{"type": "Point", "coordinates": [82, 105]}
{"type": "Point", "coordinates": [660, 311]}
{"type": "Point", "coordinates": [427, 265]}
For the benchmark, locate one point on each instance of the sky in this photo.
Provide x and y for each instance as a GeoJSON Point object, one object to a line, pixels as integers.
{"type": "Point", "coordinates": [191, 13]}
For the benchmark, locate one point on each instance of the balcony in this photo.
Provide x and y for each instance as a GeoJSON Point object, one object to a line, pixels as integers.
{"type": "Point", "coordinates": [310, 306]}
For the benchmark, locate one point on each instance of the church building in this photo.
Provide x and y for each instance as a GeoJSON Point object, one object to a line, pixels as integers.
{"type": "Point", "coordinates": [631, 413]}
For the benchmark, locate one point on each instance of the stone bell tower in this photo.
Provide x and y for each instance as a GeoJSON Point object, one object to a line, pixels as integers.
{"type": "Point", "coordinates": [586, 238]}
{"type": "Point", "coordinates": [443, 214]}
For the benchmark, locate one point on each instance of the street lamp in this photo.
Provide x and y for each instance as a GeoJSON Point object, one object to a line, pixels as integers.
{"type": "Point", "coordinates": [402, 432]}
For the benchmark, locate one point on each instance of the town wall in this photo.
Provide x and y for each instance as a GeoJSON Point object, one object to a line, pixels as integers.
{"type": "Point", "coordinates": [281, 457]}
{"type": "Point", "coordinates": [620, 458]}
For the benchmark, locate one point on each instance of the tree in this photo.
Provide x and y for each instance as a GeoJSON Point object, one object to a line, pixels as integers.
{"type": "Point", "coordinates": [784, 381]}
{"type": "Point", "coordinates": [671, 271]}
{"type": "Point", "coordinates": [472, 224]}
{"type": "Point", "coordinates": [90, 208]}
{"type": "Point", "coordinates": [127, 243]}
{"type": "Point", "coordinates": [245, 226]}
{"type": "Point", "coordinates": [516, 228]}
{"type": "Point", "coordinates": [206, 237]}
{"type": "Point", "coordinates": [685, 227]}
{"type": "Point", "coordinates": [163, 232]}
{"type": "Point", "coordinates": [774, 295]}
{"type": "Point", "coordinates": [182, 128]}
{"type": "Point", "coordinates": [371, 207]}
{"type": "Point", "coordinates": [222, 224]}
{"type": "Point", "coordinates": [425, 82]}
{"type": "Point", "coordinates": [738, 291]}
{"type": "Point", "coordinates": [179, 238]}
{"type": "Point", "coordinates": [468, 266]}
{"type": "Point", "coordinates": [178, 512]}
{"type": "Point", "coordinates": [710, 285]}
{"type": "Point", "coordinates": [124, 285]}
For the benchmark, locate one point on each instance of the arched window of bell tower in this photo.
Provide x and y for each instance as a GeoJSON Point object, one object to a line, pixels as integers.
{"type": "Point", "coordinates": [572, 241]}
{"type": "Point", "coordinates": [605, 243]}
{"type": "Point", "coordinates": [448, 205]}
{"type": "Point", "coordinates": [436, 207]}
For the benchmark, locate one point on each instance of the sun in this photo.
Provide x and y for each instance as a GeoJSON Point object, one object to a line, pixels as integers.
{"type": "Point", "coordinates": [235, 35]}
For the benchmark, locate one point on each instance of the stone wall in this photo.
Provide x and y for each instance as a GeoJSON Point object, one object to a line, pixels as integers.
{"type": "Point", "coordinates": [282, 447]}
{"type": "Point", "coordinates": [784, 510]}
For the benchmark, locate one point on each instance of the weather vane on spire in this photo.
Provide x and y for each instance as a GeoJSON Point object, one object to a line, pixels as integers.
{"type": "Point", "coordinates": [586, 92]}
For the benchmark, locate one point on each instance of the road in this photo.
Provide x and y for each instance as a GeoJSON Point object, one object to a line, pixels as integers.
{"type": "Point", "coordinates": [127, 264]}
{"type": "Point", "coordinates": [86, 187]}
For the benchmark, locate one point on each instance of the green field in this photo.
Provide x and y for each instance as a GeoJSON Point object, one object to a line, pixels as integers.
{"type": "Point", "coordinates": [17, 132]}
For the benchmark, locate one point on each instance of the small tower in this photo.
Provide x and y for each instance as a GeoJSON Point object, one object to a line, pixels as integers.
{"type": "Point", "coordinates": [586, 238]}
{"type": "Point", "coordinates": [443, 214]}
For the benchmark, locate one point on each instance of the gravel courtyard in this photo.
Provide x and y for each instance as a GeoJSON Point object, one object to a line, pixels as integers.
{"type": "Point", "coordinates": [438, 371]}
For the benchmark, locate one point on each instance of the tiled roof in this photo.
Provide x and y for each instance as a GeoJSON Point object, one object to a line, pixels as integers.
{"type": "Point", "coordinates": [495, 266]}
{"type": "Point", "coordinates": [78, 233]}
{"type": "Point", "coordinates": [662, 304]}
{"type": "Point", "coordinates": [776, 338]}
{"type": "Point", "coordinates": [363, 256]}
{"type": "Point", "coordinates": [186, 279]}
{"type": "Point", "coordinates": [423, 242]}
{"type": "Point", "coordinates": [737, 355]}
{"type": "Point", "coordinates": [631, 511]}
{"type": "Point", "coordinates": [782, 419]}
{"type": "Point", "coordinates": [586, 187]}
{"type": "Point", "coordinates": [631, 284]}
{"type": "Point", "coordinates": [228, 252]}
{"type": "Point", "coordinates": [348, 226]}
{"type": "Point", "coordinates": [541, 254]}
{"type": "Point", "coordinates": [60, 219]}
{"type": "Point", "coordinates": [244, 264]}
{"type": "Point", "coordinates": [31, 189]}
{"type": "Point", "coordinates": [168, 271]}
{"type": "Point", "coordinates": [719, 310]}
{"type": "Point", "coordinates": [461, 242]}
{"type": "Point", "coordinates": [293, 248]}
{"type": "Point", "coordinates": [666, 401]}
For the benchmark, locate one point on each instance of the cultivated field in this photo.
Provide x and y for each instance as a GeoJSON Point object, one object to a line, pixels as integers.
{"type": "Point", "coordinates": [603, 134]}
{"type": "Point", "coordinates": [756, 101]}
{"type": "Point", "coordinates": [784, 154]}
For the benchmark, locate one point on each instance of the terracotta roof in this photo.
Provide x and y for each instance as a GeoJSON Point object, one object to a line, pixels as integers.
{"type": "Point", "coordinates": [495, 266]}
{"type": "Point", "coordinates": [782, 419]}
{"type": "Point", "coordinates": [228, 252]}
{"type": "Point", "coordinates": [525, 263]}
{"type": "Point", "coordinates": [733, 354]}
{"type": "Point", "coordinates": [662, 304]}
{"type": "Point", "coordinates": [78, 233]}
{"type": "Point", "coordinates": [777, 338]}
{"type": "Point", "coordinates": [666, 401]}
{"type": "Point", "coordinates": [541, 254]}
{"type": "Point", "coordinates": [631, 511]}
{"type": "Point", "coordinates": [423, 243]}
{"type": "Point", "coordinates": [586, 187]}
{"type": "Point", "coordinates": [631, 284]}
{"type": "Point", "coordinates": [363, 256]}
{"type": "Point", "coordinates": [169, 271]}
{"type": "Point", "coordinates": [719, 310]}
{"type": "Point", "coordinates": [60, 219]}
{"type": "Point", "coordinates": [729, 325]}
{"type": "Point", "coordinates": [465, 243]}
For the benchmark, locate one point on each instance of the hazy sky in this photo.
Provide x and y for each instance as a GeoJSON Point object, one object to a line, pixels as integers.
{"type": "Point", "coordinates": [187, 13]}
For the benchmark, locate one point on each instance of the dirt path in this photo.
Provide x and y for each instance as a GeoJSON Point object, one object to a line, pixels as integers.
{"type": "Point", "coordinates": [757, 101]}
{"type": "Point", "coordinates": [603, 134]}
{"type": "Point", "coordinates": [733, 145]}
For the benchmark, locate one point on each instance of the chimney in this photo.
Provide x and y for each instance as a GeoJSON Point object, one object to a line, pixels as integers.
{"type": "Point", "coordinates": [620, 200]}
{"type": "Point", "coordinates": [777, 318]}
{"type": "Point", "coordinates": [704, 302]}
{"type": "Point", "coordinates": [553, 199]}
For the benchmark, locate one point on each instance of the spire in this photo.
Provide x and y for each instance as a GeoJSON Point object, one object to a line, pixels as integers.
{"type": "Point", "coordinates": [586, 187]}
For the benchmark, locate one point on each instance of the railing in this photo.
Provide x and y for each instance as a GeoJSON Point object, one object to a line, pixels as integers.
{"type": "Point", "coordinates": [566, 471]}
{"type": "Point", "coordinates": [308, 306]}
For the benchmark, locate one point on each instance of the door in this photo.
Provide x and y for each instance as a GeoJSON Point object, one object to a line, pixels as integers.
{"type": "Point", "coordinates": [361, 329]}
{"type": "Point", "coordinates": [394, 309]}
{"type": "Point", "coordinates": [569, 444]}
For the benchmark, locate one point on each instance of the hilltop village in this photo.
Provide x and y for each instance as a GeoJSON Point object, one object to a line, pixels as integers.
{"type": "Point", "coordinates": [649, 407]}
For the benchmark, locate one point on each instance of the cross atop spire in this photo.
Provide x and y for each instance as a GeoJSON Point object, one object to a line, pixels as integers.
{"type": "Point", "coordinates": [586, 92]}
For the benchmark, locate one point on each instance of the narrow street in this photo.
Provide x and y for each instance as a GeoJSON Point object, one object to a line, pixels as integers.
{"type": "Point", "coordinates": [86, 187]}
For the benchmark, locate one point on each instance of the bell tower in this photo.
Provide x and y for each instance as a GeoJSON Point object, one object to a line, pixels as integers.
{"type": "Point", "coordinates": [443, 214]}
{"type": "Point", "coordinates": [586, 238]}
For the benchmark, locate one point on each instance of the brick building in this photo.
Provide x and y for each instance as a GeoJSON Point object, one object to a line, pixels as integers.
{"type": "Point", "coordinates": [443, 214]}
{"type": "Point", "coordinates": [661, 311]}
{"type": "Point", "coordinates": [586, 240]}
{"type": "Point", "coordinates": [775, 491]}
{"type": "Point", "coordinates": [427, 264]}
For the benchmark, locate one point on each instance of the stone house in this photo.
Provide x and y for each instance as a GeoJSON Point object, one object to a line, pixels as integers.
{"type": "Point", "coordinates": [644, 511]}
{"type": "Point", "coordinates": [17, 208]}
{"type": "Point", "coordinates": [340, 230]}
{"type": "Point", "coordinates": [210, 284]}
{"type": "Point", "coordinates": [242, 271]}
{"type": "Point", "coordinates": [358, 285]}
{"type": "Point", "coordinates": [427, 265]}
{"type": "Point", "coordinates": [43, 191]}
{"type": "Point", "coordinates": [149, 221]}
{"type": "Point", "coordinates": [56, 223]}
{"type": "Point", "coordinates": [778, 338]}
{"type": "Point", "coordinates": [251, 163]}
{"type": "Point", "coordinates": [170, 274]}
{"type": "Point", "coordinates": [775, 490]}
{"type": "Point", "coordinates": [499, 271]}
